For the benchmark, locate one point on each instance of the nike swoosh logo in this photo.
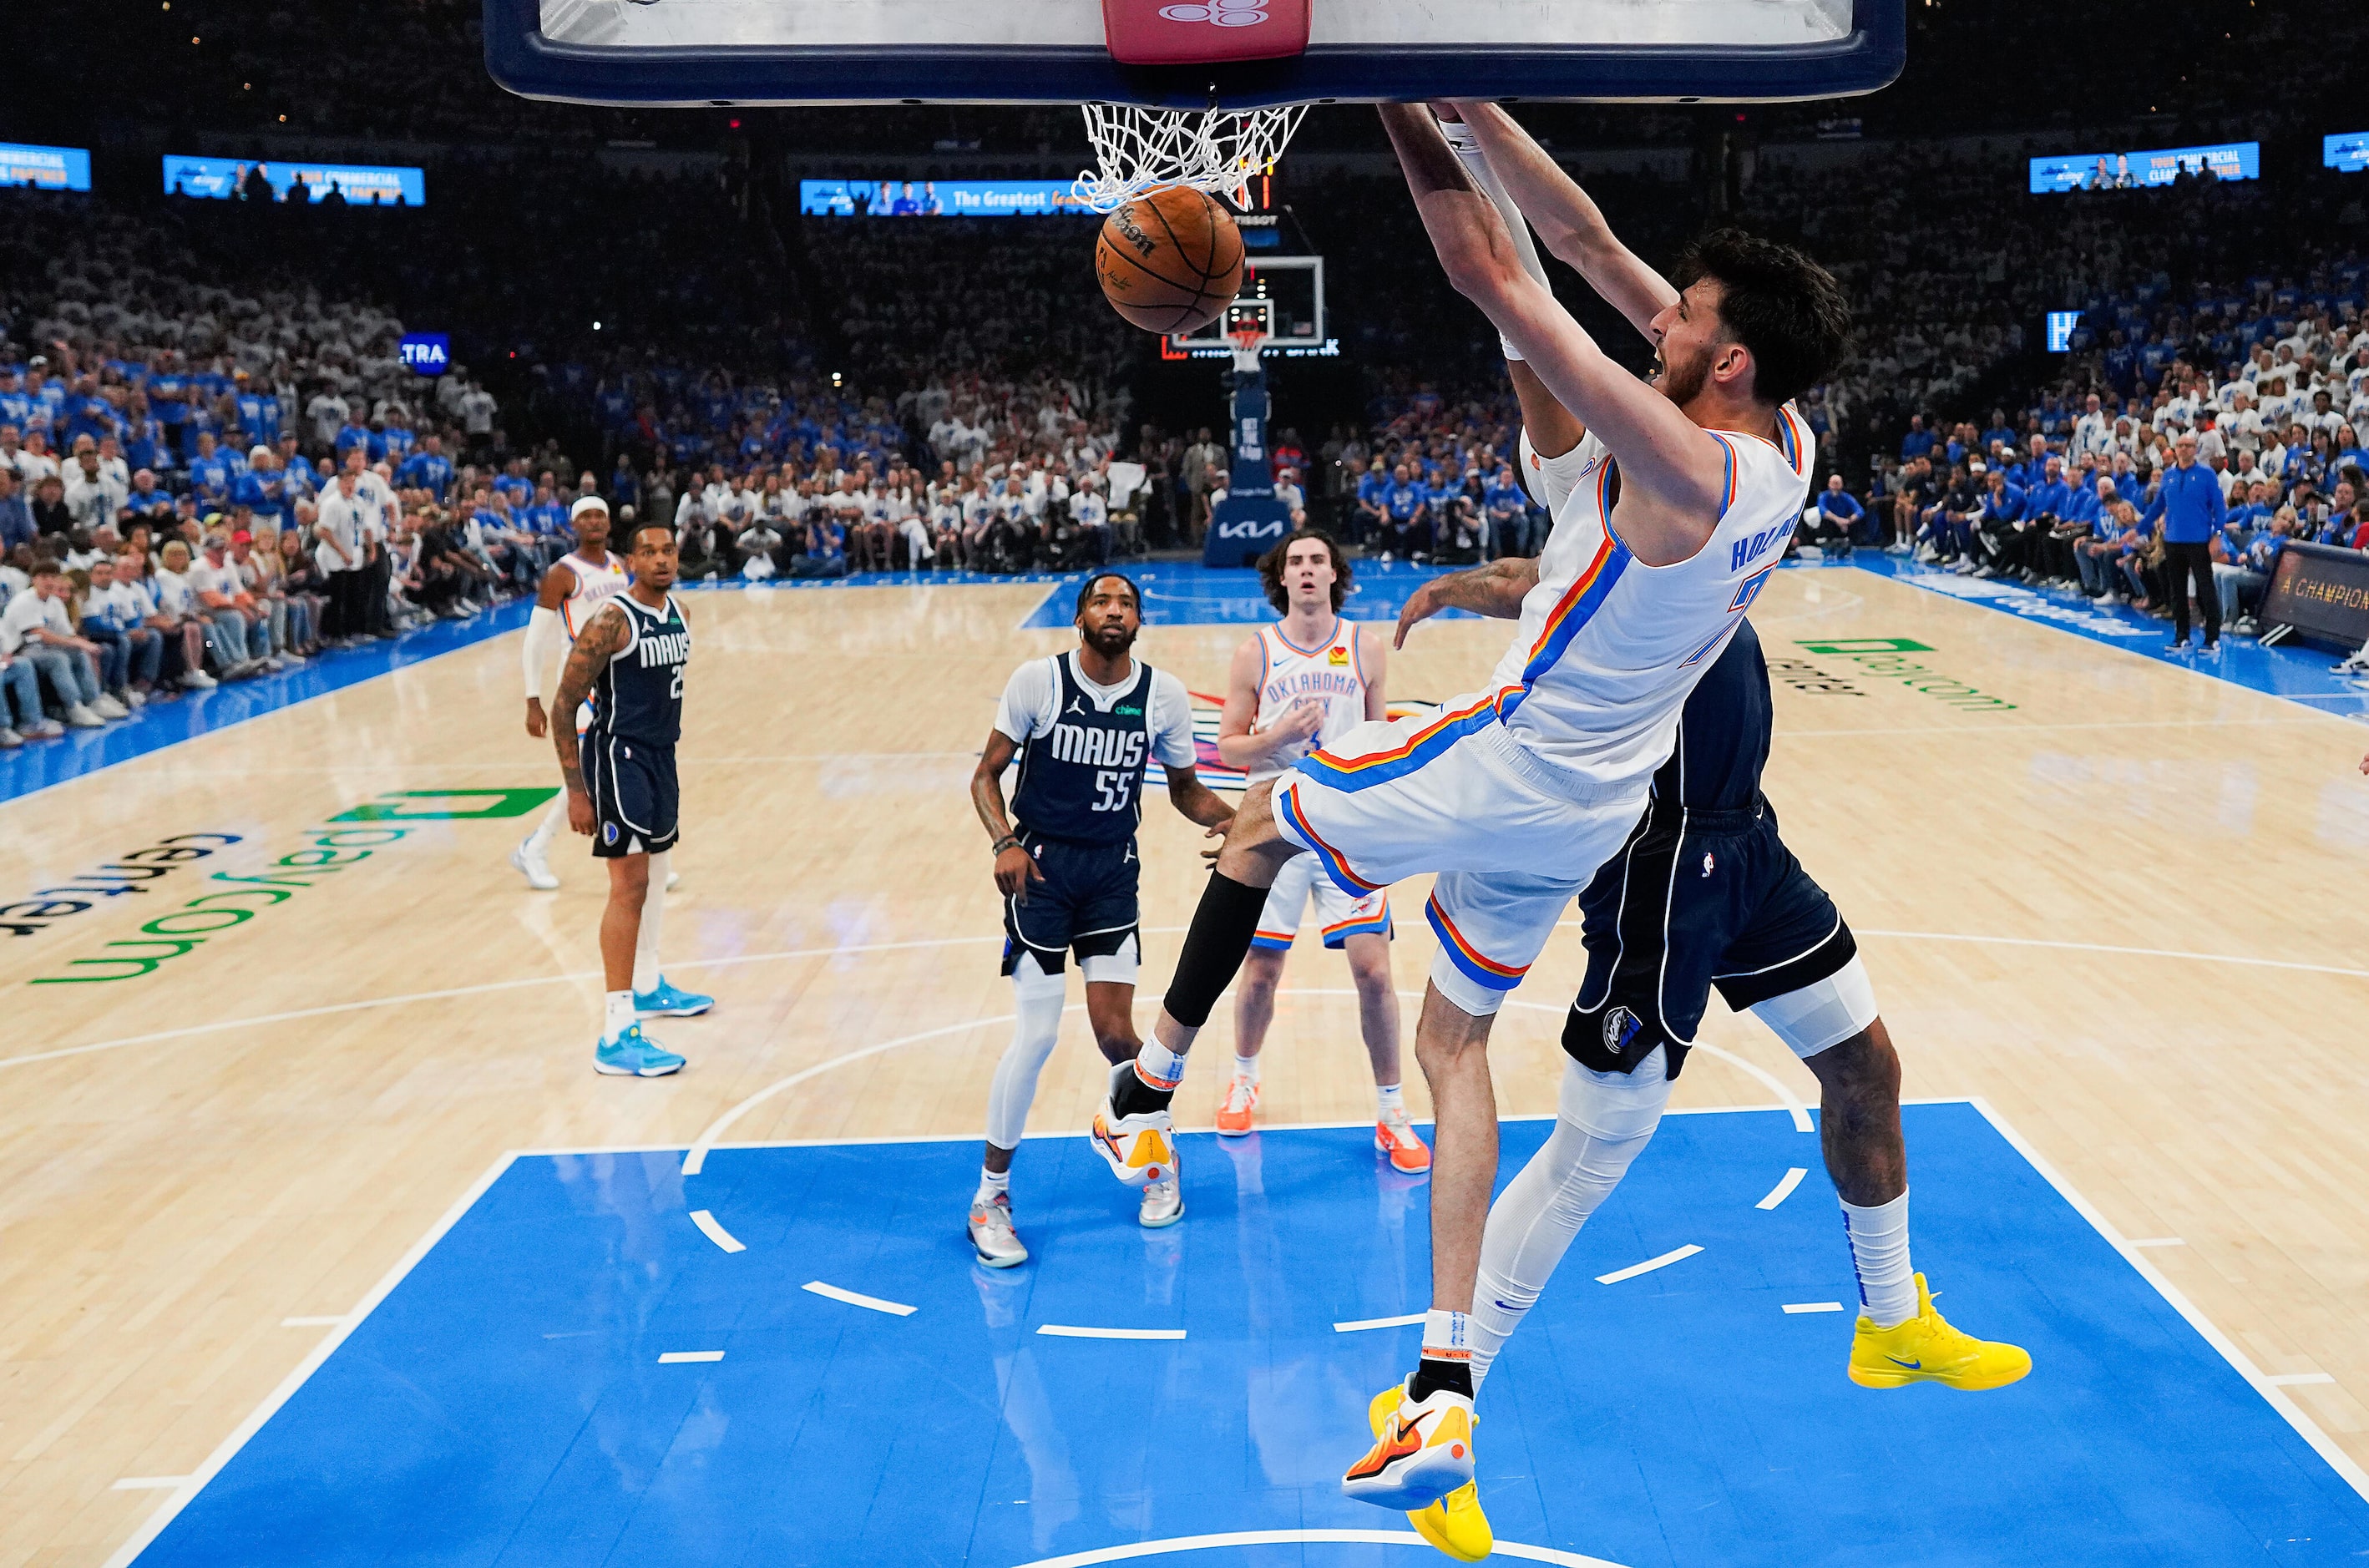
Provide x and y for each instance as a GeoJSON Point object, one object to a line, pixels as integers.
{"type": "Point", "coordinates": [1403, 1439]}
{"type": "Point", "coordinates": [1917, 1366]}
{"type": "Point", "coordinates": [1508, 1306]}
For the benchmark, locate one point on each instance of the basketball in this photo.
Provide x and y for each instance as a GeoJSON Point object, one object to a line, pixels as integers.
{"type": "Point", "coordinates": [1170, 261]}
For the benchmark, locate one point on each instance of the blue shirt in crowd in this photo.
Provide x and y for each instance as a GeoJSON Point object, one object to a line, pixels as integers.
{"type": "Point", "coordinates": [2188, 501]}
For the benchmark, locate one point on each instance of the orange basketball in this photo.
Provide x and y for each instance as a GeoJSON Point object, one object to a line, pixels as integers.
{"type": "Point", "coordinates": [1170, 261]}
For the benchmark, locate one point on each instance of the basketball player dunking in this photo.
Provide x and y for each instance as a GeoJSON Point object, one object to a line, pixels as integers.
{"type": "Point", "coordinates": [1306, 680]}
{"type": "Point", "coordinates": [1517, 793]}
{"type": "Point", "coordinates": [1703, 894]}
{"type": "Point", "coordinates": [1083, 725]}
{"type": "Point", "coordinates": [629, 658]}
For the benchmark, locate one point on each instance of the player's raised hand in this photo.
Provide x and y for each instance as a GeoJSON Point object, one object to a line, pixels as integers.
{"type": "Point", "coordinates": [536, 725]}
{"type": "Point", "coordinates": [1014, 869]}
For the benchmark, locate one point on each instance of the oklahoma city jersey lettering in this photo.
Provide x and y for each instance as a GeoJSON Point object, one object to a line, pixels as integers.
{"type": "Point", "coordinates": [596, 583]}
{"type": "Point", "coordinates": [1329, 673]}
{"type": "Point", "coordinates": [1608, 647]}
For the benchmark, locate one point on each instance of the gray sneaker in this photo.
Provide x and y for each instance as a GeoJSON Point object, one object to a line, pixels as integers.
{"type": "Point", "coordinates": [10, 739]}
{"type": "Point", "coordinates": [992, 1235]}
{"type": "Point", "coordinates": [1164, 1204]}
{"type": "Point", "coordinates": [79, 717]}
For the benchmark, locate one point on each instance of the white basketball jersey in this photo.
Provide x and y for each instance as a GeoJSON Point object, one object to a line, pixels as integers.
{"type": "Point", "coordinates": [1610, 648]}
{"type": "Point", "coordinates": [1331, 673]}
{"type": "Point", "coordinates": [596, 584]}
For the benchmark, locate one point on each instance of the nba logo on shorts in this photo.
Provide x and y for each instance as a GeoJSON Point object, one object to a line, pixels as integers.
{"type": "Point", "coordinates": [1620, 1026]}
{"type": "Point", "coordinates": [1222, 12]}
{"type": "Point", "coordinates": [1706, 863]}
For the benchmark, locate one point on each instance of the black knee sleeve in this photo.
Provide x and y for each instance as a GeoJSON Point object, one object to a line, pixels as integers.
{"type": "Point", "coordinates": [1221, 935]}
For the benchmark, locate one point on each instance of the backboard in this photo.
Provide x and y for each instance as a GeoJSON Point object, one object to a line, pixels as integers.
{"type": "Point", "coordinates": [1282, 296]}
{"type": "Point", "coordinates": [1020, 51]}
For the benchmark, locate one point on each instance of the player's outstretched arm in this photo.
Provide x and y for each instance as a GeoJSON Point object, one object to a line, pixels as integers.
{"type": "Point", "coordinates": [1496, 590]}
{"type": "Point", "coordinates": [595, 645]}
{"type": "Point", "coordinates": [1198, 802]}
{"type": "Point", "coordinates": [1564, 216]}
{"type": "Point", "coordinates": [1666, 458]}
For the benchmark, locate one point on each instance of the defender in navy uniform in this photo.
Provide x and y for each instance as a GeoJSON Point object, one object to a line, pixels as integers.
{"type": "Point", "coordinates": [1082, 725]}
{"type": "Point", "coordinates": [629, 658]}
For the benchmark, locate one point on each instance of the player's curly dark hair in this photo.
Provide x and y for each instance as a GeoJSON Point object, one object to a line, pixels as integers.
{"type": "Point", "coordinates": [1787, 311]}
{"type": "Point", "coordinates": [1086, 591]}
{"type": "Point", "coordinates": [1270, 567]}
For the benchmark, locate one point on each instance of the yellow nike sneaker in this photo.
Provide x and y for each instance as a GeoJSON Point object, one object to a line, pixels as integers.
{"type": "Point", "coordinates": [1455, 1524]}
{"type": "Point", "coordinates": [1926, 1349]}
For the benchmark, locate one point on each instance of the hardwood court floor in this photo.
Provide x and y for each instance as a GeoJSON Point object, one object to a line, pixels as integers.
{"type": "Point", "coordinates": [2124, 910]}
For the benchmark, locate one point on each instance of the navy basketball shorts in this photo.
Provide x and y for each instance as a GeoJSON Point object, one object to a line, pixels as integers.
{"type": "Point", "coordinates": [1703, 899]}
{"type": "Point", "coordinates": [1086, 905]}
{"type": "Point", "coordinates": [637, 805]}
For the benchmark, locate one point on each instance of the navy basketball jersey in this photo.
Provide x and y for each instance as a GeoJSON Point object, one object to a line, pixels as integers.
{"type": "Point", "coordinates": [1722, 733]}
{"type": "Point", "coordinates": [1083, 779]}
{"type": "Point", "coordinates": [640, 694]}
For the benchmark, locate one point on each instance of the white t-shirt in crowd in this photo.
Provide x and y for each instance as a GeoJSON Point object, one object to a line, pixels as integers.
{"type": "Point", "coordinates": [206, 577]}
{"type": "Point", "coordinates": [477, 409]}
{"type": "Point", "coordinates": [27, 611]}
{"type": "Point", "coordinates": [350, 519]}
{"type": "Point", "coordinates": [1032, 701]}
{"type": "Point", "coordinates": [174, 595]}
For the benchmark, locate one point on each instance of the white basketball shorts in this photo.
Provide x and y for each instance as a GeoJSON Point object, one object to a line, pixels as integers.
{"type": "Point", "coordinates": [1340, 916]}
{"type": "Point", "coordinates": [1512, 837]}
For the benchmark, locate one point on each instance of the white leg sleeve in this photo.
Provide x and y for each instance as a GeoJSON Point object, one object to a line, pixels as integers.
{"type": "Point", "coordinates": [1824, 1014]}
{"type": "Point", "coordinates": [1603, 1121]}
{"type": "Point", "coordinates": [548, 829]}
{"type": "Point", "coordinates": [645, 941]}
{"type": "Point", "coordinates": [1036, 1002]}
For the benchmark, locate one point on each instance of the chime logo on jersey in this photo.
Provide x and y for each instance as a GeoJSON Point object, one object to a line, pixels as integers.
{"type": "Point", "coordinates": [665, 648]}
{"type": "Point", "coordinates": [1099, 748]}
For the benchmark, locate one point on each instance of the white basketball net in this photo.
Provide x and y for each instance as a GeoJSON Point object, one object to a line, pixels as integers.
{"type": "Point", "coordinates": [1218, 150]}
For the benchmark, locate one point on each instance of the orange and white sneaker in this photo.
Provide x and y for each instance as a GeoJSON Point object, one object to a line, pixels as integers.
{"type": "Point", "coordinates": [1422, 1452]}
{"type": "Point", "coordinates": [1455, 1524]}
{"type": "Point", "coordinates": [1141, 1149]}
{"type": "Point", "coordinates": [1394, 1136]}
{"type": "Point", "coordinates": [1234, 1116]}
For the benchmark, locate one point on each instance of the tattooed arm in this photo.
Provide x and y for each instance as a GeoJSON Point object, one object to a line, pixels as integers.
{"type": "Point", "coordinates": [602, 637]}
{"type": "Point", "coordinates": [1496, 590]}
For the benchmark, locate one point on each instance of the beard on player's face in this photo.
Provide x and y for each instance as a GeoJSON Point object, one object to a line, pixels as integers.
{"type": "Point", "coordinates": [1110, 636]}
{"type": "Point", "coordinates": [1682, 372]}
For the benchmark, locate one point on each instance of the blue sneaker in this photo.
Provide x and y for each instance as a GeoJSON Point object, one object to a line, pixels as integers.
{"type": "Point", "coordinates": [664, 1000]}
{"type": "Point", "coordinates": [635, 1055]}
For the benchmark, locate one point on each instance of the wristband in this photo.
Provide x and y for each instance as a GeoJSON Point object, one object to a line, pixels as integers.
{"type": "Point", "coordinates": [1009, 841]}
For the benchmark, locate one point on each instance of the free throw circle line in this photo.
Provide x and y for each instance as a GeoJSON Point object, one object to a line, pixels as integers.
{"type": "Point", "coordinates": [1174, 1545]}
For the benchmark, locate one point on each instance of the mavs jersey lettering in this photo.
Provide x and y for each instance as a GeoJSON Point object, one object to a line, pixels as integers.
{"type": "Point", "coordinates": [1083, 779]}
{"type": "Point", "coordinates": [640, 694]}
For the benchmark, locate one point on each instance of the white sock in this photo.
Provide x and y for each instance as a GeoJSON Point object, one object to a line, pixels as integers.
{"type": "Point", "coordinates": [1603, 1121]}
{"type": "Point", "coordinates": [1246, 1067]}
{"type": "Point", "coordinates": [1159, 1067]}
{"type": "Point", "coordinates": [1036, 1000]}
{"type": "Point", "coordinates": [1390, 1098]}
{"type": "Point", "coordinates": [553, 820]}
{"type": "Point", "coordinates": [1447, 1336]}
{"type": "Point", "coordinates": [992, 1184]}
{"type": "Point", "coordinates": [646, 941]}
{"type": "Point", "coordinates": [1878, 1248]}
{"type": "Point", "coordinates": [617, 1016]}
